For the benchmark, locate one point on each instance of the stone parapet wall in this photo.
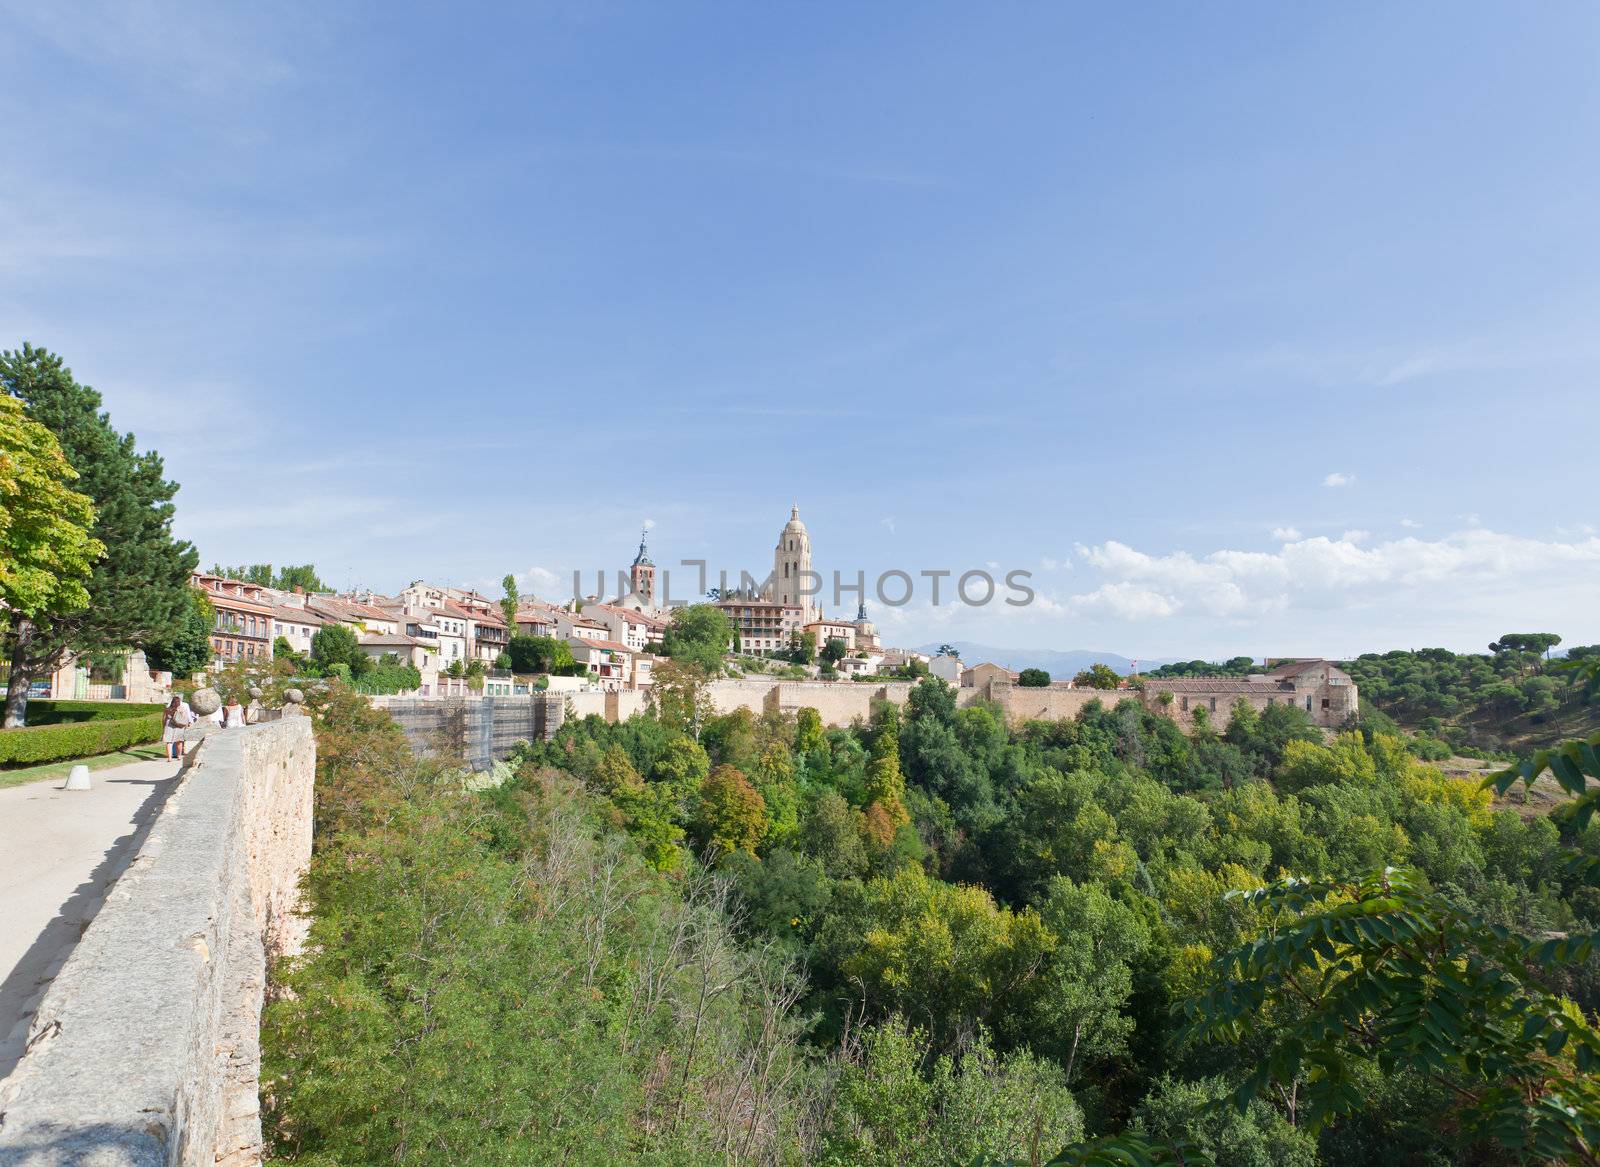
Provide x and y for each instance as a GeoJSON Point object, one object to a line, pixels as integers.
{"type": "Point", "coordinates": [1023, 703]}
{"type": "Point", "coordinates": [145, 1049]}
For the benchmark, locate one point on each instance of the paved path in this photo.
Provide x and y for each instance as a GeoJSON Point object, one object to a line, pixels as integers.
{"type": "Point", "coordinates": [60, 851]}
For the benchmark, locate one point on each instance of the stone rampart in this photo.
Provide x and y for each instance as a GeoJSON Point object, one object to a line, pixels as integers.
{"type": "Point", "coordinates": [146, 1047]}
{"type": "Point", "coordinates": [1023, 703]}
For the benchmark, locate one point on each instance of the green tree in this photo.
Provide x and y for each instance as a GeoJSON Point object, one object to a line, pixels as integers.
{"type": "Point", "coordinates": [834, 651]}
{"type": "Point", "coordinates": [1222, 1135]}
{"type": "Point", "coordinates": [1378, 972]}
{"type": "Point", "coordinates": [941, 953]}
{"type": "Point", "coordinates": [259, 574]}
{"type": "Point", "coordinates": [887, 1112]}
{"type": "Point", "coordinates": [809, 738]}
{"type": "Point", "coordinates": [46, 549]}
{"type": "Point", "coordinates": [1033, 678]}
{"type": "Point", "coordinates": [186, 648]}
{"type": "Point", "coordinates": [1082, 998]}
{"type": "Point", "coordinates": [541, 654]}
{"type": "Point", "coordinates": [299, 575]}
{"type": "Point", "coordinates": [698, 634]}
{"type": "Point", "coordinates": [509, 603]}
{"type": "Point", "coordinates": [731, 815]}
{"type": "Point", "coordinates": [1536, 643]}
{"type": "Point", "coordinates": [139, 588]}
{"type": "Point", "coordinates": [1097, 676]}
{"type": "Point", "coordinates": [885, 788]}
{"type": "Point", "coordinates": [803, 648]}
{"type": "Point", "coordinates": [335, 644]}
{"type": "Point", "coordinates": [832, 835]}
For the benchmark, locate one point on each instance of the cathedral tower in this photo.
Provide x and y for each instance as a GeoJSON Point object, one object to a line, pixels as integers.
{"type": "Point", "coordinates": [791, 561]}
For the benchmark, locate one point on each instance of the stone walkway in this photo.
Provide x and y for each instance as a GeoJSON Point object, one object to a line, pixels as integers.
{"type": "Point", "coordinates": [60, 852]}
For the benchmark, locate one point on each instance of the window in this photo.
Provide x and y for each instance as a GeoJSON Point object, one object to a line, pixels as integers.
{"type": "Point", "coordinates": [1308, 704]}
{"type": "Point", "coordinates": [1184, 704]}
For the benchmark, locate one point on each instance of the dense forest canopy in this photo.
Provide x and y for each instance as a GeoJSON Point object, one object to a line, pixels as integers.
{"type": "Point", "coordinates": [930, 938]}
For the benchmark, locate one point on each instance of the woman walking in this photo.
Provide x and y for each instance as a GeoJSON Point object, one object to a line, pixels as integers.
{"type": "Point", "coordinates": [174, 720]}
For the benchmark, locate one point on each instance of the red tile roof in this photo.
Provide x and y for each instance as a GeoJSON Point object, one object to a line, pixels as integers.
{"type": "Point", "coordinates": [612, 645]}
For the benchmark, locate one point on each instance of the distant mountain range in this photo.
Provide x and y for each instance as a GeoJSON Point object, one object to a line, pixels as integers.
{"type": "Point", "coordinates": [1060, 665]}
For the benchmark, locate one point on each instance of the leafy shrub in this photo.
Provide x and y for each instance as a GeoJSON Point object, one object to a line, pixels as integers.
{"type": "Point", "coordinates": [389, 678]}
{"type": "Point", "coordinates": [50, 712]}
{"type": "Point", "coordinates": [80, 739]}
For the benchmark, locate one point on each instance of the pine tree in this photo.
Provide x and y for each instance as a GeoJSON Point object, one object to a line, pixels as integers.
{"type": "Point", "coordinates": [139, 589]}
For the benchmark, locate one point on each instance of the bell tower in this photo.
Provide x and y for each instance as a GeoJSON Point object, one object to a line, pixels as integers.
{"type": "Point", "coordinates": [642, 574]}
{"type": "Point", "coordinates": [791, 563]}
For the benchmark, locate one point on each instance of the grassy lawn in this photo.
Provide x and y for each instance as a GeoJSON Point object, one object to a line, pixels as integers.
{"type": "Point", "coordinates": [59, 770]}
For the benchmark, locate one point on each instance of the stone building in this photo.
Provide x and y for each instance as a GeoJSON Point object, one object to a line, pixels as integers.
{"type": "Point", "coordinates": [1321, 688]}
{"type": "Point", "coordinates": [242, 624]}
{"type": "Point", "coordinates": [763, 625]}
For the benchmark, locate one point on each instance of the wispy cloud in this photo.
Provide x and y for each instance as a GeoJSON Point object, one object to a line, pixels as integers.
{"type": "Point", "coordinates": [1337, 478]}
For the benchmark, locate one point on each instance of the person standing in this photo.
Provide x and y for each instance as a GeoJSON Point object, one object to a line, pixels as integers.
{"type": "Point", "coordinates": [233, 714]}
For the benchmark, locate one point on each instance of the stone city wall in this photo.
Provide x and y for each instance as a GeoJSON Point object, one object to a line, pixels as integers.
{"type": "Point", "coordinates": [839, 703]}
{"type": "Point", "coordinates": [1049, 703]}
{"type": "Point", "coordinates": [146, 1047]}
{"type": "Point", "coordinates": [617, 705]}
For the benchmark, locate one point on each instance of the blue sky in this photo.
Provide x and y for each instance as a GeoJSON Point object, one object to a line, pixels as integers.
{"type": "Point", "coordinates": [1247, 329]}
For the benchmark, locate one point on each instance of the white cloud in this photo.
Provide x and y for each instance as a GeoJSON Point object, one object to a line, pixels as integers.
{"type": "Point", "coordinates": [1410, 524]}
{"type": "Point", "coordinates": [543, 582]}
{"type": "Point", "coordinates": [1124, 601]}
{"type": "Point", "coordinates": [1287, 534]}
{"type": "Point", "coordinates": [1338, 478]}
{"type": "Point", "coordinates": [1324, 573]}
{"type": "Point", "coordinates": [649, 524]}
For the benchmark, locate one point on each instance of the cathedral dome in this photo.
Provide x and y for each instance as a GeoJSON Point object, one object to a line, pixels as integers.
{"type": "Point", "coordinates": [794, 523]}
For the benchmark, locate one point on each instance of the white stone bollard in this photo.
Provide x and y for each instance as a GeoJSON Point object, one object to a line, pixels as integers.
{"type": "Point", "coordinates": [78, 778]}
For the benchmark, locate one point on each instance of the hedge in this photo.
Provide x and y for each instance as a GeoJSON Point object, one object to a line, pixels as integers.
{"type": "Point", "coordinates": [46, 711]}
{"type": "Point", "coordinates": [79, 739]}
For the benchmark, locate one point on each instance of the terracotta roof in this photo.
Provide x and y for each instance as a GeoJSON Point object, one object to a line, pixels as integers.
{"type": "Point", "coordinates": [610, 644]}
{"type": "Point", "coordinates": [630, 614]}
{"type": "Point", "coordinates": [392, 640]}
{"type": "Point", "coordinates": [301, 615]}
{"type": "Point", "coordinates": [338, 608]}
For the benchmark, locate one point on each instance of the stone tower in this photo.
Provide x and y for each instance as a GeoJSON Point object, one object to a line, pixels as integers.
{"type": "Point", "coordinates": [642, 574]}
{"type": "Point", "coordinates": [791, 560]}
